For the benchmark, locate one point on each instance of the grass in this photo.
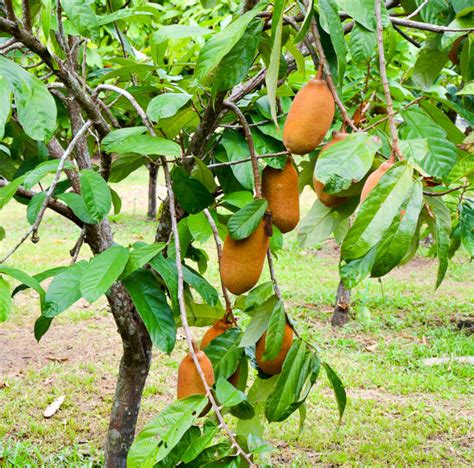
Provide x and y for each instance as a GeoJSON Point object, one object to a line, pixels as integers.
{"type": "Point", "coordinates": [399, 410]}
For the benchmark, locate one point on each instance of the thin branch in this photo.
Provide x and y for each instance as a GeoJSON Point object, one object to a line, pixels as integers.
{"type": "Point", "coordinates": [249, 138]}
{"type": "Point", "coordinates": [25, 6]}
{"type": "Point", "coordinates": [9, 10]}
{"type": "Point", "coordinates": [53, 205]}
{"type": "Point", "coordinates": [34, 228]}
{"type": "Point", "coordinates": [327, 70]}
{"type": "Point", "coordinates": [276, 288]}
{"type": "Point", "coordinates": [383, 76]}
{"type": "Point", "coordinates": [61, 37]}
{"type": "Point", "coordinates": [241, 161]}
{"type": "Point", "coordinates": [440, 194]}
{"type": "Point", "coordinates": [415, 12]}
{"type": "Point", "coordinates": [74, 252]}
{"type": "Point", "coordinates": [217, 240]}
{"type": "Point", "coordinates": [406, 36]}
{"type": "Point", "coordinates": [427, 26]}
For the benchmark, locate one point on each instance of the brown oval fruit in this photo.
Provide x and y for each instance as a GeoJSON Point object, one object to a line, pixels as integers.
{"type": "Point", "coordinates": [273, 366]}
{"type": "Point", "coordinates": [326, 198]}
{"type": "Point", "coordinates": [189, 381]}
{"type": "Point", "coordinates": [309, 118]}
{"type": "Point", "coordinates": [374, 178]}
{"type": "Point", "coordinates": [280, 188]}
{"type": "Point", "coordinates": [242, 260]}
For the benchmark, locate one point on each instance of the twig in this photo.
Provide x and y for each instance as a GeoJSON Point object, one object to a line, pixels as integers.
{"type": "Point", "coordinates": [440, 194]}
{"type": "Point", "coordinates": [383, 76]}
{"type": "Point", "coordinates": [179, 267]}
{"type": "Point", "coordinates": [415, 12]}
{"type": "Point", "coordinates": [249, 138]}
{"type": "Point", "coordinates": [34, 228]}
{"type": "Point", "coordinates": [77, 247]}
{"type": "Point", "coordinates": [240, 161]}
{"type": "Point", "coordinates": [307, 42]}
{"type": "Point", "coordinates": [276, 288]}
{"type": "Point", "coordinates": [61, 36]}
{"type": "Point", "coordinates": [411, 103]}
{"type": "Point", "coordinates": [9, 10]}
{"type": "Point", "coordinates": [427, 26]}
{"type": "Point", "coordinates": [217, 240]}
{"type": "Point", "coordinates": [25, 6]}
{"type": "Point", "coordinates": [407, 37]}
{"type": "Point", "coordinates": [327, 70]}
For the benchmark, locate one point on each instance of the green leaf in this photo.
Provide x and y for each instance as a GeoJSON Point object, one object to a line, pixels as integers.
{"type": "Point", "coordinates": [150, 302]}
{"type": "Point", "coordinates": [7, 192]}
{"type": "Point", "coordinates": [362, 44]}
{"type": "Point", "coordinates": [220, 44]}
{"type": "Point", "coordinates": [166, 105]}
{"type": "Point", "coordinates": [236, 149]}
{"type": "Point", "coordinates": [363, 11]}
{"type": "Point", "coordinates": [23, 278]}
{"type": "Point", "coordinates": [42, 325]}
{"type": "Point", "coordinates": [141, 255]}
{"type": "Point", "coordinates": [41, 170]}
{"type": "Point", "coordinates": [225, 353]}
{"type": "Point", "coordinates": [5, 300]}
{"type": "Point", "coordinates": [437, 115]}
{"type": "Point", "coordinates": [377, 212]}
{"type": "Point", "coordinates": [199, 227]}
{"type": "Point", "coordinates": [321, 221]}
{"type": "Point", "coordinates": [194, 449]}
{"type": "Point", "coordinates": [306, 23]}
{"type": "Point", "coordinates": [236, 64]}
{"type": "Point", "coordinates": [397, 240]}
{"type": "Point", "coordinates": [2, 233]}
{"type": "Point", "coordinates": [346, 162]}
{"type": "Point", "coordinates": [466, 222]}
{"type": "Point", "coordinates": [204, 175]}
{"type": "Point", "coordinates": [115, 138]}
{"type": "Point", "coordinates": [192, 195]}
{"type": "Point", "coordinates": [102, 271]}
{"type": "Point", "coordinates": [428, 65]}
{"type": "Point", "coordinates": [64, 290]}
{"type": "Point", "coordinates": [466, 61]}
{"type": "Point", "coordinates": [178, 31]}
{"type": "Point", "coordinates": [275, 332]}
{"type": "Point", "coordinates": [82, 16]}
{"type": "Point", "coordinates": [338, 388]}
{"type": "Point", "coordinates": [34, 207]}
{"type": "Point", "coordinates": [124, 165]}
{"type": "Point", "coordinates": [227, 394]}
{"type": "Point", "coordinates": [243, 223]}
{"type": "Point", "coordinates": [39, 277]}
{"type": "Point", "coordinates": [271, 77]}
{"type": "Point", "coordinates": [354, 271]}
{"type": "Point", "coordinates": [143, 144]}
{"type": "Point", "coordinates": [199, 283]}
{"type": "Point", "coordinates": [96, 194]}
{"type": "Point", "coordinates": [78, 206]}
{"type": "Point", "coordinates": [300, 365]}
{"type": "Point", "coordinates": [46, 13]}
{"type": "Point", "coordinates": [442, 230]}
{"type": "Point", "coordinates": [238, 199]}
{"type": "Point", "coordinates": [35, 107]}
{"type": "Point", "coordinates": [331, 23]}
{"type": "Point", "coordinates": [163, 433]}
{"type": "Point", "coordinates": [116, 201]}
{"type": "Point", "coordinates": [5, 105]}
{"type": "Point", "coordinates": [259, 323]}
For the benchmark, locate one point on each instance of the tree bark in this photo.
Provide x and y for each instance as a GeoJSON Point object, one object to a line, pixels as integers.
{"type": "Point", "coordinates": [152, 181]}
{"type": "Point", "coordinates": [343, 304]}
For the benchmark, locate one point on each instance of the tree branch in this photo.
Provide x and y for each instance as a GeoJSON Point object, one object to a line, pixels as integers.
{"type": "Point", "coordinates": [383, 76]}
{"type": "Point", "coordinates": [34, 228]}
{"type": "Point", "coordinates": [406, 36]}
{"type": "Point", "coordinates": [427, 26]}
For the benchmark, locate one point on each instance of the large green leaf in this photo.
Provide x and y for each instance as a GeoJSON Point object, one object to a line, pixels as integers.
{"type": "Point", "coordinates": [199, 283]}
{"type": "Point", "coordinates": [166, 105]}
{"type": "Point", "coordinates": [192, 195]}
{"type": "Point", "coordinates": [220, 44]}
{"type": "Point", "coordinates": [35, 107]}
{"type": "Point", "coordinates": [397, 240]}
{"type": "Point", "coordinates": [300, 365]}
{"type": "Point", "coordinates": [259, 323]}
{"type": "Point", "coordinates": [7, 192]}
{"type": "Point", "coordinates": [140, 255]}
{"type": "Point", "coordinates": [151, 304]}
{"type": "Point", "coordinates": [466, 222]}
{"type": "Point", "coordinates": [78, 206]}
{"type": "Point", "coordinates": [41, 170]}
{"type": "Point", "coordinates": [236, 64]}
{"type": "Point", "coordinates": [102, 271]}
{"type": "Point", "coordinates": [236, 149]}
{"type": "Point", "coordinates": [363, 11]}
{"type": "Point", "coordinates": [5, 300]}
{"type": "Point", "coordinates": [124, 165]}
{"type": "Point", "coordinates": [428, 65]}
{"type": "Point", "coordinates": [24, 278]}
{"type": "Point", "coordinates": [354, 271]}
{"type": "Point", "coordinates": [96, 194]}
{"type": "Point", "coordinates": [331, 23]}
{"type": "Point", "coordinates": [346, 162]}
{"type": "Point", "coordinates": [82, 16]}
{"type": "Point", "coordinates": [338, 387]}
{"type": "Point", "coordinates": [115, 138]}
{"type": "Point", "coordinates": [143, 144]}
{"type": "Point", "coordinates": [224, 353]}
{"type": "Point", "coordinates": [178, 31]}
{"type": "Point", "coordinates": [275, 332]}
{"type": "Point", "coordinates": [5, 105]}
{"type": "Point", "coordinates": [362, 44]}
{"type": "Point", "coordinates": [161, 435]}
{"type": "Point", "coordinates": [64, 290]}
{"type": "Point", "coordinates": [244, 222]}
{"type": "Point", "coordinates": [377, 212]}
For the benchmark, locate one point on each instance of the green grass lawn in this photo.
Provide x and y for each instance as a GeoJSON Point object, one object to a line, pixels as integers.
{"type": "Point", "coordinates": [399, 412]}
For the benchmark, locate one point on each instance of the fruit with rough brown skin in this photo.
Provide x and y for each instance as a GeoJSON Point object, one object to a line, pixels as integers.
{"type": "Point", "coordinates": [273, 366]}
{"type": "Point", "coordinates": [280, 188]}
{"type": "Point", "coordinates": [374, 178]}
{"type": "Point", "coordinates": [326, 198]}
{"type": "Point", "coordinates": [309, 118]}
{"type": "Point", "coordinates": [242, 260]}
{"type": "Point", "coordinates": [189, 381]}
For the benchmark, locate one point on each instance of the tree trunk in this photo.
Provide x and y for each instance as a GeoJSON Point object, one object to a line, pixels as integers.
{"type": "Point", "coordinates": [153, 176]}
{"type": "Point", "coordinates": [343, 304]}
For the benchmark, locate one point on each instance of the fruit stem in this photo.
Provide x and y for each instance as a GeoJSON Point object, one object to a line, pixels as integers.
{"type": "Point", "coordinates": [319, 75]}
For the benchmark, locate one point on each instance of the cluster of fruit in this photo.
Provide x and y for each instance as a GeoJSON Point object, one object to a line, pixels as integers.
{"type": "Point", "coordinates": [309, 119]}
